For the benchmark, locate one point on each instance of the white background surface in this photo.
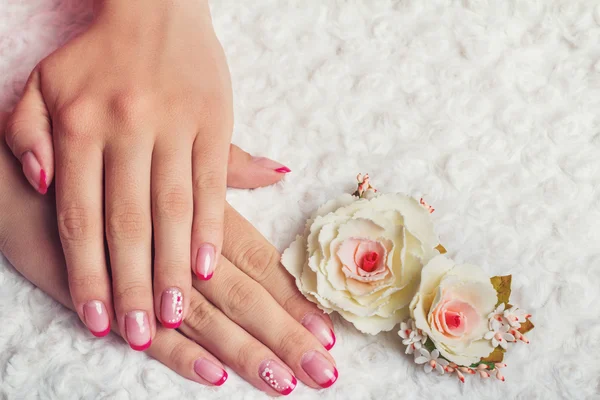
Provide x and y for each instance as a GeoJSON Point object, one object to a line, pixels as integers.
{"type": "Point", "coordinates": [490, 108]}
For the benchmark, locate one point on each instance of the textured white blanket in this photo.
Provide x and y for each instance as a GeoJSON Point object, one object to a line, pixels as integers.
{"type": "Point", "coordinates": [489, 108]}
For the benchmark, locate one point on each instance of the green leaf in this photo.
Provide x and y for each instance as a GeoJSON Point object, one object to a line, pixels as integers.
{"type": "Point", "coordinates": [441, 249]}
{"type": "Point", "coordinates": [502, 286]}
{"type": "Point", "coordinates": [429, 345]}
{"type": "Point", "coordinates": [495, 356]}
{"type": "Point", "coordinates": [526, 327]}
{"type": "Point", "coordinates": [491, 365]}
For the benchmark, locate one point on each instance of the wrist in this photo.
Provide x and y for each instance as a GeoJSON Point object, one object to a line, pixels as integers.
{"type": "Point", "coordinates": [151, 13]}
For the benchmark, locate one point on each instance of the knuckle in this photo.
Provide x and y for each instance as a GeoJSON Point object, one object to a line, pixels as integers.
{"type": "Point", "coordinates": [135, 291]}
{"type": "Point", "coordinates": [72, 119]}
{"type": "Point", "coordinates": [292, 300]}
{"type": "Point", "coordinates": [126, 222]}
{"type": "Point", "coordinates": [248, 354]}
{"type": "Point", "coordinates": [74, 224]}
{"type": "Point", "coordinates": [207, 225]}
{"type": "Point", "coordinates": [201, 314]}
{"type": "Point", "coordinates": [130, 107]}
{"type": "Point", "coordinates": [85, 283]}
{"type": "Point", "coordinates": [173, 203]}
{"type": "Point", "coordinates": [258, 260]}
{"type": "Point", "coordinates": [242, 298]}
{"type": "Point", "coordinates": [291, 342]}
{"type": "Point", "coordinates": [179, 354]}
{"type": "Point", "coordinates": [208, 182]}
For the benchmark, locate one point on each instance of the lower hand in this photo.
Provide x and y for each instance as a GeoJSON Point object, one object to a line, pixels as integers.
{"type": "Point", "coordinates": [250, 316]}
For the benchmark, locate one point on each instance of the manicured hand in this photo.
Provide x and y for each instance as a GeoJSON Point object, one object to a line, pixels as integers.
{"type": "Point", "coordinates": [132, 121]}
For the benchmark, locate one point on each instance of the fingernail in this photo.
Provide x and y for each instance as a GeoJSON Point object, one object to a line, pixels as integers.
{"type": "Point", "coordinates": [96, 318]}
{"type": "Point", "coordinates": [317, 326]}
{"type": "Point", "coordinates": [34, 172]}
{"type": "Point", "coordinates": [171, 308]}
{"type": "Point", "coordinates": [277, 376]}
{"type": "Point", "coordinates": [319, 368]}
{"type": "Point", "coordinates": [137, 328]}
{"type": "Point", "coordinates": [270, 164]}
{"type": "Point", "coordinates": [210, 371]}
{"type": "Point", "coordinates": [205, 261]}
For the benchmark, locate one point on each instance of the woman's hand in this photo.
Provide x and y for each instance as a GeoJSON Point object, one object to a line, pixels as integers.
{"type": "Point", "coordinates": [133, 121]}
{"type": "Point", "coordinates": [250, 316]}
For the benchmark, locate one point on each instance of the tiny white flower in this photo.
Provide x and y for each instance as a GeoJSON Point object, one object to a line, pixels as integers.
{"type": "Point", "coordinates": [515, 316]}
{"type": "Point", "coordinates": [500, 337]}
{"type": "Point", "coordinates": [431, 360]}
{"type": "Point", "coordinates": [412, 337]}
{"type": "Point", "coordinates": [496, 318]}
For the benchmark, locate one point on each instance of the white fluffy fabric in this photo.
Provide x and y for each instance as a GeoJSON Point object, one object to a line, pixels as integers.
{"type": "Point", "coordinates": [488, 108]}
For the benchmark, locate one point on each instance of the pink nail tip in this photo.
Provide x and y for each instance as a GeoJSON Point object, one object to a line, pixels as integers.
{"type": "Point", "coordinates": [330, 345]}
{"type": "Point", "coordinates": [332, 380]}
{"type": "Point", "coordinates": [205, 261]}
{"type": "Point", "coordinates": [205, 278]}
{"type": "Point", "coordinates": [291, 388]}
{"type": "Point", "coordinates": [283, 170]}
{"type": "Point", "coordinates": [142, 347]}
{"type": "Point", "coordinates": [223, 379]}
{"type": "Point", "coordinates": [319, 368]}
{"type": "Point", "coordinates": [43, 184]}
{"type": "Point", "coordinates": [101, 334]}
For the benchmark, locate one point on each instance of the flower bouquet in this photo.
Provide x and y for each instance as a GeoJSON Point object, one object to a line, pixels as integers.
{"type": "Point", "coordinates": [376, 260]}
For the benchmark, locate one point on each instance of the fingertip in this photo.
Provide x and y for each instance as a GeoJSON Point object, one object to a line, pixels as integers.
{"type": "Point", "coordinates": [33, 171]}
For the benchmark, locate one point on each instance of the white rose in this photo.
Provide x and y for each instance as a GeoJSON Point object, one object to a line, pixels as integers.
{"type": "Point", "coordinates": [452, 306]}
{"type": "Point", "coordinates": [363, 258]}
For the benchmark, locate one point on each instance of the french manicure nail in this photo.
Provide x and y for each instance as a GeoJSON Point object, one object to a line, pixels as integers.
{"type": "Point", "coordinates": [270, 164]}
{"type": "Point", "coordinates": [34, 172]}
{"type": "Point", "coordinates": [137, 328]}
{"type": "Point", "coordinates": [205, 261]}
{"type": "Point", "coordinates": [210, 371]}
{"type": "Point", "coordinates": [171, 308]}
{"type": "Point", "coordinates": [277, 376]}
{"type": "Point", "coordinates": [317, 326]}
{"type": "Point", "coordinates": [96, 318]}
{"type": "Point", "coordinates": [319, 368]}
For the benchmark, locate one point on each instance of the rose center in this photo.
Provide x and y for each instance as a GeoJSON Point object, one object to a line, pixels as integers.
{"type": "Point", "coordinates": [369, 261]}
{"type": "Point", "coordinates": [454, 320]}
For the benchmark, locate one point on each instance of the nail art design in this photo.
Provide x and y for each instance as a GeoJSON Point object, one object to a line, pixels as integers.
{"type": "Point", "coordinates": [171, 310]}
{"type": "Point", "coordinates": [283, 170]}
{"type": "Point", "coordinates": [277, 377]}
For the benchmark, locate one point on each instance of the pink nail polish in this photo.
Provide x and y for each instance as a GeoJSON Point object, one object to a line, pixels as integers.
{"type": "Point", "coordinates": [317, 326]}
{"type": "Point", "coordinates": [171, 308]}
{"type": "Point", "coordinates": [210, 371]}
{"type": "Point", "coordinates": [205, 261]}
{"type": "Point", "coordinates": [137, 328]}
{"type": "Point", "coordinates": [270, 164]}
{"type": "Point", "coordinates": [319, 368]}
{"type": "Point", "coordinates": [277, 376]}
{"type": "Point", "coordinates": [96, 318]}
{"type": "Point", "coordinates": [34, 172]}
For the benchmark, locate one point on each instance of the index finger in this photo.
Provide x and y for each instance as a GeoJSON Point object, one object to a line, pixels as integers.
{"type": "Point", "coordinates": [248, 250]}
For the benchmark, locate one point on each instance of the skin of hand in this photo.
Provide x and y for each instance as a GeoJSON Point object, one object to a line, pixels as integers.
{"type": "Point", "coordinates": [250, 316]}
{"type": "Point", "coordinates": [133, 121]}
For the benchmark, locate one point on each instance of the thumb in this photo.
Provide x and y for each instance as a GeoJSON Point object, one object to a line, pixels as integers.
{"type": "Point", "coordinates": [29, 138]}
{"type": "Point", "coordinates": [248, 172]}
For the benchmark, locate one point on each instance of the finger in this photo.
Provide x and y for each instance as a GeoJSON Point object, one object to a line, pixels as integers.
{"type": "Point", "coordinates": [248, 250]}
{"type": "Point", "coordinates": [80, 226]}
{"type": "Point", "coordinates": [209, 158]}
{"type": "Point", "coordinates": [249, 305]}
{"type": "Point", "coordinates": [129, 236]}
{"type": "Point", "coordinates": [187, 358]}
{"type": "Point", "coordinates": [172, 218]}
{"type": "Point", "coordinates": [248, 172]}
{"type": "Point", "coordinates": [29, 137]}
{"type": "Point", "coordinates": [236, 348]}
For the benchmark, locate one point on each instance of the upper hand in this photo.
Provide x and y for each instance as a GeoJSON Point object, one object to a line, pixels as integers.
{"type": "Point", "coordinates": [133, 121]}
